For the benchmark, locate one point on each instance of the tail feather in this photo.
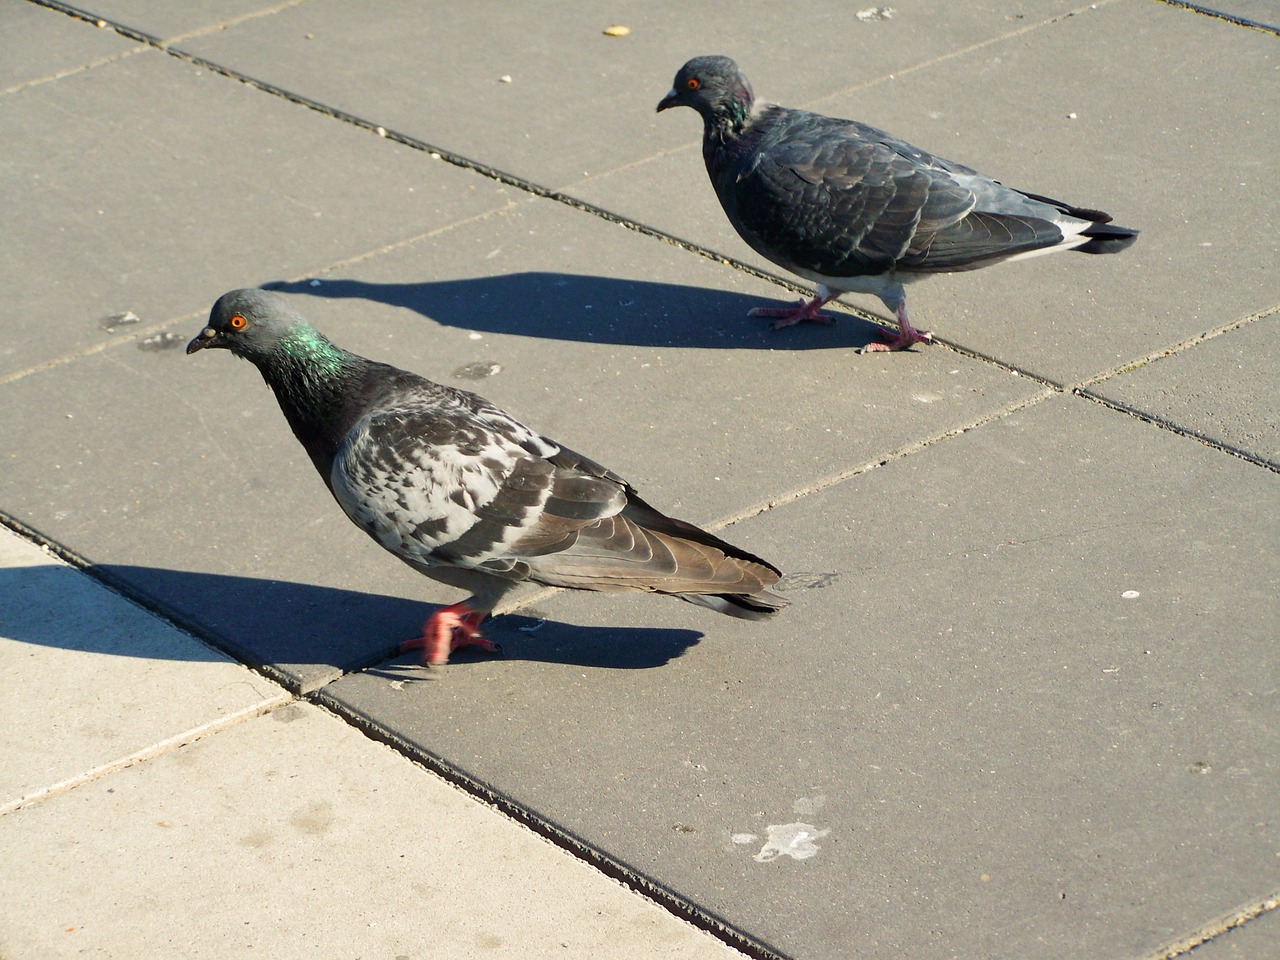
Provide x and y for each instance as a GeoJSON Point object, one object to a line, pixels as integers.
{"type": "Point", "coordinates": [1080, 213]}
{"type": "Point", "coordinates": [1107, 238]}
{"type": "Point", "coordinates": [642, 549]}
{"type": "Point", "coordinates": [754, 606]}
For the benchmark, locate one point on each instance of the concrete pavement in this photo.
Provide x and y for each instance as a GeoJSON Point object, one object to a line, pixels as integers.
{"type": "Point", "coordinates": [1026, 702]}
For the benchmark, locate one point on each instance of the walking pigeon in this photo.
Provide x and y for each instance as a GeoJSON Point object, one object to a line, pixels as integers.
{"type": "Point", "coordinates": [466, 494]}
{"type": "Point", "coordinates": [857, 210]}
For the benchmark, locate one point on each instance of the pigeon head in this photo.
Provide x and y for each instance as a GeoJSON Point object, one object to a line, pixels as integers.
{"type": "Point", "coordinates": [253, 324]}
{"type": "Point", "coordinates": [714, 86]}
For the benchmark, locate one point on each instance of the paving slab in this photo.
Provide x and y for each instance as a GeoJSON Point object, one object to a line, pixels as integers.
{"type": "Point", "coordinates": [1109, 127]}
{"type": "Point", "coordinates": [95, 679]}
{"type": "Point", "coordinates": [148, 186]}
{"type": "Point", "coordinates": [1223, 389]}
{"type": "Point", "coordinates": [292, 835]}
{"type": "Point", "coordinates": [577, 102]}
{"type": "Point", "coordinates": [1013, 712]}
{"type": "Point", "coordinates": [38, 44]}
{"type": "Point", "coordinates": [179, 477]}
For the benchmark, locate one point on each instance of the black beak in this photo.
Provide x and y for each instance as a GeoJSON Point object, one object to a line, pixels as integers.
{"type": "Point", "coordinates": [668, 101]}
{"type": "Point", "coordinates": [208, 337]}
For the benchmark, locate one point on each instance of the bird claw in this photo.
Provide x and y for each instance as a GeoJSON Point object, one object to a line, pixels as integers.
{"type": "Point", "coordinates": [448, 629]}
{"type": "Point", "coordinates": [805, 310]}
{"type": "Point", "coordinates": [900, 341]}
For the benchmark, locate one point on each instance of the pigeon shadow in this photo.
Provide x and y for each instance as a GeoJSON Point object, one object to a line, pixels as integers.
{"type": "Point", "coordinates": [297, 631]}
{"type": "Point", "coordinates": [594, 309]}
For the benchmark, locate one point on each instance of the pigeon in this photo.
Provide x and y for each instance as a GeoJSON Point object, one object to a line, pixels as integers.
{"type": "Point", "coordinates": [467, 494]}
{"type": "Point", "coordinates": [856, 210]}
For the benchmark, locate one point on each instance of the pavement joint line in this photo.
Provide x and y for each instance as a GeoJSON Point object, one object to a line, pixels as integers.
{"type": "Point", "coordinates": [1178, 429]}
{"type": "Point", "coordinates": [147, 753]}
{"type": "Point", "coordinates": [1231, 920]}
{"type": "Point", "coordinates": [116, 340]}
{"type": "Point", "coordinates": [71, 71]}
{"type": "Point", "coordinates": [1082, 390]}
{"type": "Point", "coordinates": [1220, 15]}
{"type": "Point", "coordinates": [951, 54]}
{"type": "Point", "coordinates": [123, 336]}
{"type": "Point", "coordinates": [1179, 347]}
{"type": "Point", "coordinates": [630, 877]}
{"type": "Point", "coordinates": [233, 21]}
{"type": "Point", "coordinates": [101, 23]}
{"type": "Point", "coordinates": [125, 590]}
{"type": "Point", "coordinates": [401, 244]}
{"type": "Point", "coordinates": [835, 479]}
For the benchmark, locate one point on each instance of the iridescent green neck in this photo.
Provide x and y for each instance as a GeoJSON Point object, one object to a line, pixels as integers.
{"type": "Point", "coordinates": [307, 347]}
{"type": "Point", "coordinates": [310, 376]}
{"type": "Point", "coordinates": [738, 110]}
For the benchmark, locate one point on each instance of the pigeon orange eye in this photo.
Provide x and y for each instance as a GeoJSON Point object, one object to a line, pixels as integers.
{"type": "Point", "coordinates": [237, 322]}
{"type": "Point", "coordinates": [692, 83]}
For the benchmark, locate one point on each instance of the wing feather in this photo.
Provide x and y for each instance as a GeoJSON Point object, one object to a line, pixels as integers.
{"type": "Point", "coordinates": [461, 484]}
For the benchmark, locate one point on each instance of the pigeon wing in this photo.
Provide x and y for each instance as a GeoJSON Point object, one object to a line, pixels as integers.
{"type": "Point", "coordinates": [838, 198]}
{"type": "Point", "coordinates": [463, 484]}
{"type": "Point", "coordinates": [636, 547]}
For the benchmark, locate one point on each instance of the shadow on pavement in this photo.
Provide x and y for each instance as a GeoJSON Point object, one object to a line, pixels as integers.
{"type": "Point", "coordinates": [274, 622]}
{"type": "Point", "coordinates": [592, 309]}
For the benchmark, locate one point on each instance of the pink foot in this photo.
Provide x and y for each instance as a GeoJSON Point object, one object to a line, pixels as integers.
{"type": "Point", "coordinates": [448, 629]}
{"type": "Point", "coordinates": [906, 337]}
{"type": "Point", "coordinates": [786, 317]}
{"type": "Point", "coordinates": [901, 342]}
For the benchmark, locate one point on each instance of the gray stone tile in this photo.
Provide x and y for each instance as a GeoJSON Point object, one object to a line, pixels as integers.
{"type": "Point", "coordinates": [1151, 146]}
{"type": "Point", "coordinates": [293, 836]}
{"type": "Point", "coordinates": [1223, 389]}
{"type": "Point", "coordinates": [37, 43]}
{"type": "Point", "coordinates": [179, 477]}
{"type": "Point", "coordinates": [149, 185]}
{"type": "Point", "coordinates": [1022, 699]}
{"type": "Point", "coordinates": [578, 102]}
{"type": "Point", "coordinates": [94, 679]}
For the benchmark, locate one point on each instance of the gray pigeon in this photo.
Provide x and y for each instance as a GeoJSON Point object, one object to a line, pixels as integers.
{"type": "Point", "coordinates": [466, 494]}
{"type": "Point", "coordinates": [856, 210]}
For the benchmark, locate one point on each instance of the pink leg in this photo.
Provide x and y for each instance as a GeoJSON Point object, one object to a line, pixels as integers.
{"type": "Point", "coordinates": [448, 629]}
{"type": "Point", "coordinates": [805, 310]}
{"type": "Point", "coordinates": [905, 338]}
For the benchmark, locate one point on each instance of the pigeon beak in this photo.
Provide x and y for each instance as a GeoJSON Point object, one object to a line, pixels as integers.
{"type": "Point", "coordinates": [668, 101]}
{"type": "Point", "coordinates": [208, 337]}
